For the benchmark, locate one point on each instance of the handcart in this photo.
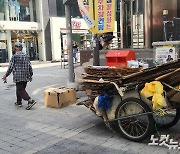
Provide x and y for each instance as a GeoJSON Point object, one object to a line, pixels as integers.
{"type": "Point", "coordinates": [133, 113]}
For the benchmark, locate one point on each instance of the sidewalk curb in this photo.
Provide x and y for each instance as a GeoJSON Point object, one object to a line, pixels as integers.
{"type": "Point", "coordinates": [32, 62]}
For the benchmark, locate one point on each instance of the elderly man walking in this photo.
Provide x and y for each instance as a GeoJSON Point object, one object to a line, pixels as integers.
{"type": "Point", "coordinates": [22, 73]}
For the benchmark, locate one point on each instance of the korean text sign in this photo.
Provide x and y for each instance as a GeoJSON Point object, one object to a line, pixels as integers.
{"type": "Point", "coordinates": [104, 16]}
{"type": "Point", "coordinates": [100, 15]}
{"type": "Point", "coordinates": [87, 12]}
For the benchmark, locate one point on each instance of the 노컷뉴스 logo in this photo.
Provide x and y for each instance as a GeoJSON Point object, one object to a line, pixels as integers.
{"type": "Point", "coordinates": [165, 140]}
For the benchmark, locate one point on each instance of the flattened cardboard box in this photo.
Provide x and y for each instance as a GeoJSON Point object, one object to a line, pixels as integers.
{"type": "Point", "coordinates": [59, 97]}
{"type": "Point", "coordinates": [174, 96]}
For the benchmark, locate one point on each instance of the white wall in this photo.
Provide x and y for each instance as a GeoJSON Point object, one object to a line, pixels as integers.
{"type": "Point", "coordinates": [41, 35]}
{"type": "Point", "coordinates": [56, 37]}
{"type": "Point", "coordinates": [56, 23]}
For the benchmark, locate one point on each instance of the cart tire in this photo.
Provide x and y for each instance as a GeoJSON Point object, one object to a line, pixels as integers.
{"type": "Point", "coordinates": [169, 120]}
{"type": "Point", "coordinates": [135, 128]}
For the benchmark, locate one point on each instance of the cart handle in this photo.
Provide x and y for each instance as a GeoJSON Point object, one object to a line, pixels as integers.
{"type": "Point", "coordinates": [120, 90]}
{"type": "Point", "coordinates": [170, 86]}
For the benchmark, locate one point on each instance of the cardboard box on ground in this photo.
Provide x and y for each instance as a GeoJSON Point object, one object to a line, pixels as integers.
{"type": "Point", "coordinates": [59, 97]}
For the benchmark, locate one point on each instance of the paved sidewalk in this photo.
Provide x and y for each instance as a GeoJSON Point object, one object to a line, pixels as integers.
{"type": "Point", "coordinates": [69, 130]}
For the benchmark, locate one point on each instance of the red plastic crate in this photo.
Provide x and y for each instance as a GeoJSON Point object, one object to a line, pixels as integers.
{"type": "Point", "coordinates": [119, 57]}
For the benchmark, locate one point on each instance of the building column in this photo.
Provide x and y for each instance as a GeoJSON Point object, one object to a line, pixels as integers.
{"type": "Point", "coordinates": [147, 24]}
{"type": "Point", "coordinates": [31, 11]}
{"type": "Point", "coordinates": [6, 8]}
{"type": "Point", "coordinates": [9, 44]}
{"type": "Point", "coordinates": [41, 34]}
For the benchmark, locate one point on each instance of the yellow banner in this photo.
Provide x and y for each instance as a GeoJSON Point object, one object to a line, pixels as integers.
{"type": "Point", "coordinates": [104, 16]}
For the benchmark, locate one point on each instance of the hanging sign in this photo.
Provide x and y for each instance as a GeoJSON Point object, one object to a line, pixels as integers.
{"type": "Point", "coordinates": [86, 9]}
{"type": "Point", "coordinates": [104, 16]}
{"type": "Point", "coordinates": [99, 16]}
{"type": "Point", "coordinates": [64, 38]}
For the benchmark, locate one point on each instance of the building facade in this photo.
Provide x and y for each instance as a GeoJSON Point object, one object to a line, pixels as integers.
{"type": "Point", "coordinates": [20, 21]}
{"type": "Point", "coordinates": [28, 21]}
{"type": "Point", "coordinates": [140, 22]}
{"type": "Point", "coordinates": [35, 23]}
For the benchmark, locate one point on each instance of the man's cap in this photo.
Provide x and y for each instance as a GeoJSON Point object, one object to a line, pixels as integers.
{"type": "Point", "coordinates": [19, 44]}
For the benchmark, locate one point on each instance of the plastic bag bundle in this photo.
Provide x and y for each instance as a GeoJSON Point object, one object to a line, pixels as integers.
{"type": "Point", "coordinates": [154, 89]}
{"type": "Point", "coordinates": [104, 101]}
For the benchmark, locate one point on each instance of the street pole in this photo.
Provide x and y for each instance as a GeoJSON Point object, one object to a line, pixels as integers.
{"type": "Point", "coordinates": [69, 43]}
{"type": "Point", "coordinates": [95, 45]}
{"type": "Point", "coordinates": [96, 51]}
{"type": "Point", "coordinates": [122, 24]}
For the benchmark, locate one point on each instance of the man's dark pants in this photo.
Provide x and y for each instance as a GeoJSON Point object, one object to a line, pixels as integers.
{"type": "Point", "coordinates": [21, 91]}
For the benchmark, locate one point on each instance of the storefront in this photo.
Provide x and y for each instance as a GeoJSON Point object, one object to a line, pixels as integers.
{"type": "Point", "coordinates": [29, 42]}
{"type": "Point", "coordinates": [58, 34]}
{"type": "Point", "coordinates": [18, 23]}
{"type": "Point", "coordinates": [24, 32]}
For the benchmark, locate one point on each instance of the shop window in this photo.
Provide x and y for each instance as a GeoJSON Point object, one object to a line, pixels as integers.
{"type": "Point", "coordinates": [24, 12]}
{"type": "Point", "coordinates": [3, 51]}
{"type": "Point", "coordinates": [61, 9]}
{"type": "Point", "coordinates": [17, 10]}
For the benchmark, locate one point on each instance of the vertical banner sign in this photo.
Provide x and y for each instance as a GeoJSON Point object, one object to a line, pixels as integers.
{"type": "Point", "coordinates": [86, 9]}
{"type": "Point", "coordinates": [104, 16]}
{"type": "Point", "coordinates": [64, 37]}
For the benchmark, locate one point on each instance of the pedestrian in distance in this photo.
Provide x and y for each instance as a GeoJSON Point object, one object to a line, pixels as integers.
{"type": "Point", "coordinates": [75, 50]}
{"type": "Point", "coordinates": [22, 73]}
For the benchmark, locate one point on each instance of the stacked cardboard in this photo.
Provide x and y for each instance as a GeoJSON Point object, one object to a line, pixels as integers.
{"type": "Point", "coordinates": [59, 97]}
{"type": "Point", "coordinates": [93, 74]}
{"type": "Point", "coordinates": [109, 72]}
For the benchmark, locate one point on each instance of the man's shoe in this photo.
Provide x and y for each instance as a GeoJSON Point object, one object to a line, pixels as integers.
{"type": "Point", "coordinates": [30, 104]}
{"type": "Point", "coordinates": [18, 104]}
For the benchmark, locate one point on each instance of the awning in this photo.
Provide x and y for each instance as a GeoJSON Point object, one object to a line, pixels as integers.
{"type": "Point", "coordinates": [75, 31]}
{"type": "Point", "coordinates": [20, 25]}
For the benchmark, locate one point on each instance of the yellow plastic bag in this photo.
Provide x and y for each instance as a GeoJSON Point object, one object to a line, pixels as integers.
{"type": "Point", "coordinates": [158, 87]}
{"type": "Point", "coordinates": [158, 101]}
{"type": "Point", "coordinates": [146, 93]}
{"type": "Point", "coordinates": [154, 89]}
{"type": "Point", "coordinates": [150, 86]}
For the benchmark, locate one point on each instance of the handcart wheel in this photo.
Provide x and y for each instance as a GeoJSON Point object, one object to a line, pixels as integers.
{"type": "Point", "coordinates": [169, 119]}
{"type": "Point", "coordinates": [135, 119]}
